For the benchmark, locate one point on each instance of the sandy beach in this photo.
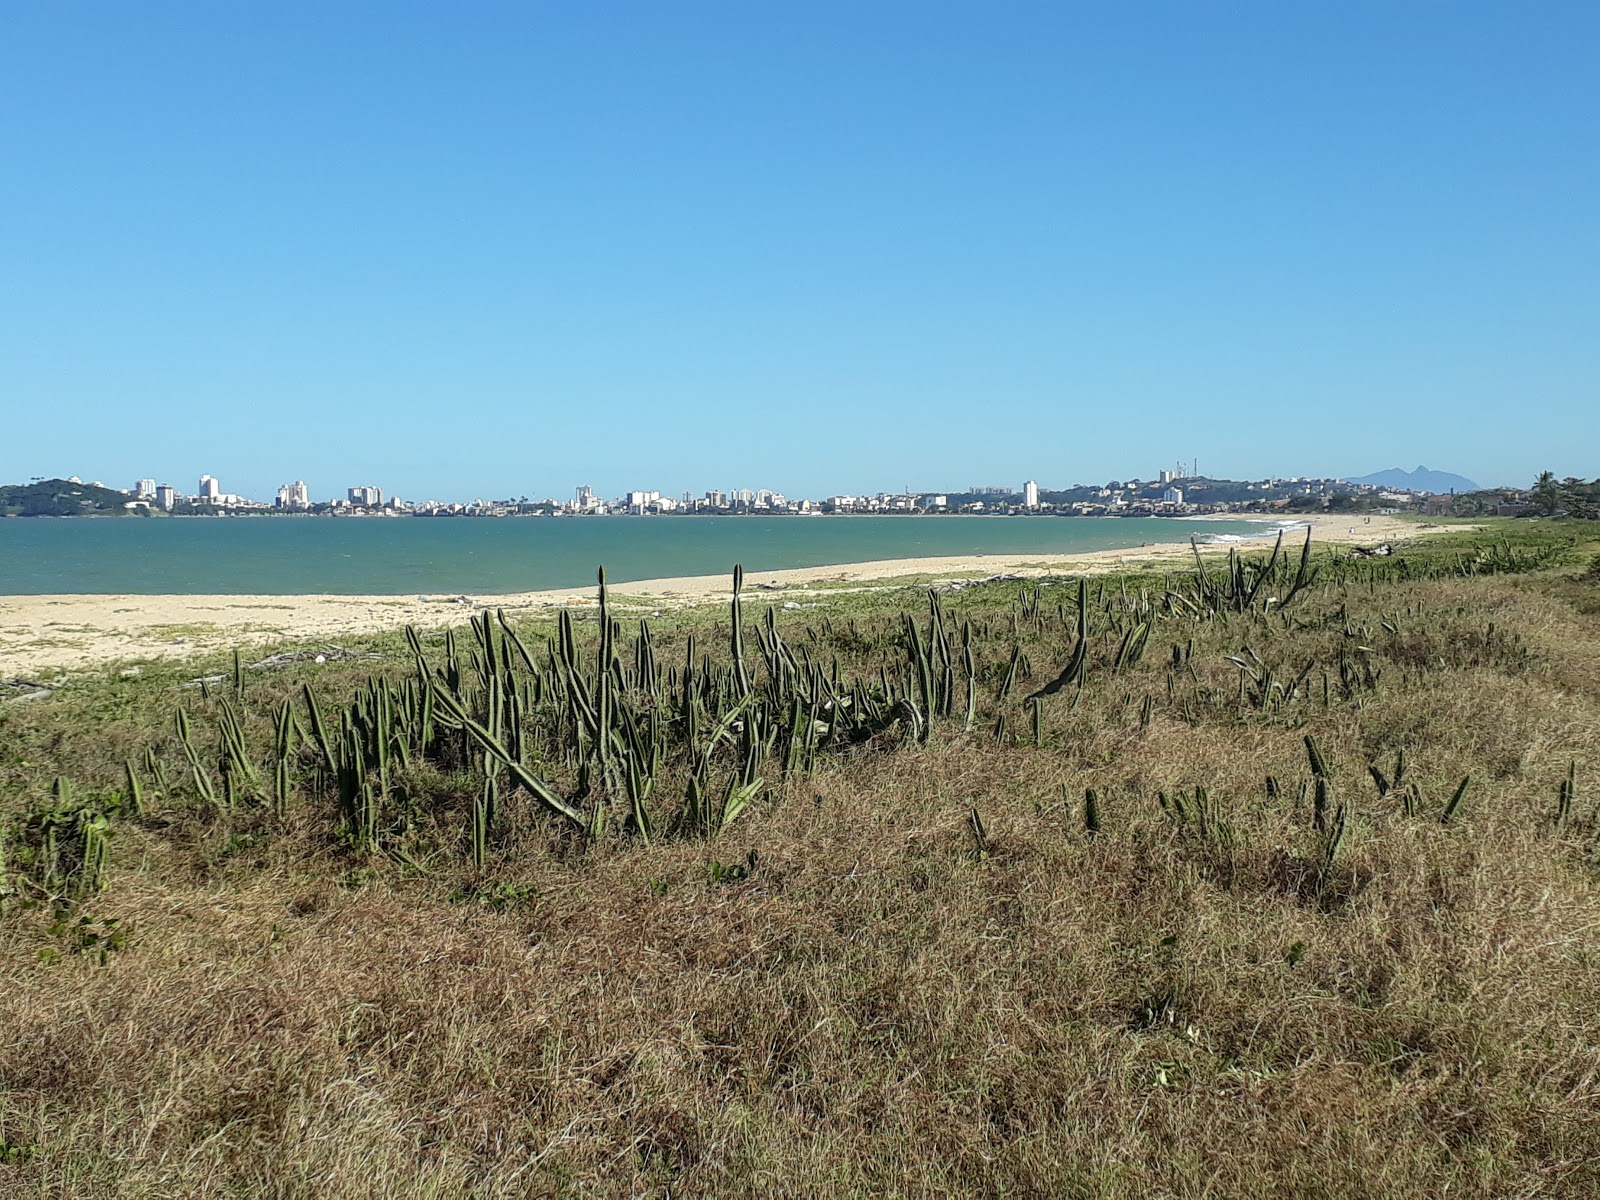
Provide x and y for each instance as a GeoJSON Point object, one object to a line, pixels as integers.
{"type": "Point", "coordinates": [46, 636]}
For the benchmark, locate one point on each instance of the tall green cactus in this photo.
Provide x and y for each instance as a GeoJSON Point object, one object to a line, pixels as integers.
{"type": "Point", "coordinates": [741, 676]}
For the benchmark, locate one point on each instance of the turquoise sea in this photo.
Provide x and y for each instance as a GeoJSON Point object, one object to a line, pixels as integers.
{"type": "Point", "coordinates": [421, 555]}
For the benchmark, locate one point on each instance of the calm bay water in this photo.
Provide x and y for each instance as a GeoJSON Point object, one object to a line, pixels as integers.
{"type": "Point", "coordinates": [305, 555]}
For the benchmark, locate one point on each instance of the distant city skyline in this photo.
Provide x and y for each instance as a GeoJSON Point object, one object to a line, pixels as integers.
{"type": "Point", "coordinates": [583, 496]}
{"type": "Point", "coordinates": [321, 492]}
{"type": "Point", "coordinates": [643, 246]}
{"type": "Point", "coordinates": [1167, 487]}
{"type": "Point", "coordinates": [299, 494]}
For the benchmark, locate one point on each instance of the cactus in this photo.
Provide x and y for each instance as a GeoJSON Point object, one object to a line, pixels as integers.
{"type": "Point", "coordinates": [1076, 669]}
{"type": "Point", "coordinates": [1319, 768]}
{"type": "Point", "coordinates": [1010, 677]}
{"type": "Point", "coordinates": [1335, 838]}
{"type": "Point", "coordinates": [319, 730]}
{"type": "Point", "coordinates": [483, 807]}
{"type": "Point", "coordinates": [736, 642]}
{"type": "Point", "coordinates": [135, 791]}
{"type": "Point", "coordinates": [202, 780]}
{"type": "Point", "coordinates": [240, 777]}
{"type": "Point", "coordinates": [737, 800]}
{"type": "Point", "coordinates": [980, 834]}
{"type": "Point", "coordinates": [1381, 780]}
{"type": "Point", "coordinates": [519, 774]}
{"type": "Point", "coordinates": [1569, 790]}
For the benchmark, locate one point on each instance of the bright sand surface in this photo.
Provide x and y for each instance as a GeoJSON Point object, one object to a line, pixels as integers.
{"type": "Point", "coordinates": [49, 635]}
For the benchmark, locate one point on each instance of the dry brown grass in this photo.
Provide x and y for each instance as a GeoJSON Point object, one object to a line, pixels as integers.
{"type": "Point", "coordinates": [876, 1008]}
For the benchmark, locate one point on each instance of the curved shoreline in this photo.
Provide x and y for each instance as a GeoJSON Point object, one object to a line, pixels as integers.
{"type": "Point", "coordinates": [45, 634]}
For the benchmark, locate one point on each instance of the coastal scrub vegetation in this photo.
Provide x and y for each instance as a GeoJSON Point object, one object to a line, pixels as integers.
{"type": "Point", "coordinates": [1570, 496]}
{"type": "Point", "coordinates": [1277, 874]}
{"type": "Point", "coordinates": [62, 498]}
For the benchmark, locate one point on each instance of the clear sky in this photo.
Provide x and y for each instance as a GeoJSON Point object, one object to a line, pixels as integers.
{"type": "Point", "coordinates": [484, 249]}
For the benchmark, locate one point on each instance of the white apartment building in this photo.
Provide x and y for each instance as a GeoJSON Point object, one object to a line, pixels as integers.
{"type": "Point", "coordinates": [1030, 494]}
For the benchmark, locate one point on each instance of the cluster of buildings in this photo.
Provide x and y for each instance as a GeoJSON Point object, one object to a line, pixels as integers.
{"type": "Point", "coordinates": [208, 495]}
{"type": "Point", "coordinates": [651, 503]}
{"type": "Point", "coordinates": [888, 502]}
{"type": "Point", "coordinates": [292, 497]}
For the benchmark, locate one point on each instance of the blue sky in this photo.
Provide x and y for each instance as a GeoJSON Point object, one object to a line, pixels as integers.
{"type": "Point", "coordinates": [492, 249]}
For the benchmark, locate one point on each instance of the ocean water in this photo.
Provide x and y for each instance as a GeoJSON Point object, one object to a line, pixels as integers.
{"type": "Point", "coordinates": [419, 555]}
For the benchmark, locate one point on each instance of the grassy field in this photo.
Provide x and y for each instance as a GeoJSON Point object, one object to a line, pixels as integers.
{"type": "Point", "coordinates": [1286, 885]}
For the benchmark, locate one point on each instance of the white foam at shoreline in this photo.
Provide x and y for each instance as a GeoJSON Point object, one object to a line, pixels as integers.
{"type": "Point", "coordinates": [1277, 528]}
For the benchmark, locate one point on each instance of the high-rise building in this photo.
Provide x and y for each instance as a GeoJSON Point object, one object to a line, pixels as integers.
{"type": "Point", "coordinates": [166, 495]}
{"type": "Point", "coordinates": [639, 501]}
{"type": "Point", "coordinates": [294, 495]}
{"type": "Point", "coordinates": [1030, 494]}
{"type": "Point", "coordinates": [366, 496]}
{"type": "Point", "coordinates": [210, 490]}
{"type": "Point", "coordinates": [584, 496]}
{"type": "Point", "coordinates": [145, 489]}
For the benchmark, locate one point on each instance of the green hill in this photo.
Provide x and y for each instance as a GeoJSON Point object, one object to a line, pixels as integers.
{"type": "Point", "coordinates": [60, 498]}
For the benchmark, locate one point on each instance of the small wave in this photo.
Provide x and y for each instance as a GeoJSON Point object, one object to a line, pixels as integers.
{"type": "Point", "coordinates": [1267, 534]}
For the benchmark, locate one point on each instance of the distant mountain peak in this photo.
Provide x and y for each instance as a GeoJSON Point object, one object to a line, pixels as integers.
{"type": "Point", "coordinates": [1420, 480]}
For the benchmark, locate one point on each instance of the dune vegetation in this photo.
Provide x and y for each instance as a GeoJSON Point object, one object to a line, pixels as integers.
{"type": "Point", "coordinates": [1275, 875]}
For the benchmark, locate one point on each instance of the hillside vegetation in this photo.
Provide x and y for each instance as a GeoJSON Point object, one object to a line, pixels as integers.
{"type": "Point", "coordinates": [1265, 878]}
{"type": "Point", "coordinates": [60, 498]}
